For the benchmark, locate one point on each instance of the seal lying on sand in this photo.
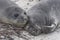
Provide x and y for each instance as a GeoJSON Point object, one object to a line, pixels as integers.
{"type": "Point", "coordinates": [41, 18]}
{"type": "Point", "coordinates": [11, 13]}
{"type": "Point", "coordinates": [44, 17]}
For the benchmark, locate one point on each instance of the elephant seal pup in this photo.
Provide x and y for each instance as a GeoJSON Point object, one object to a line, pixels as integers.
{"type": "Point", "coordinates": [11, 13]}
{"type": "Point", "coordinates": [44, 17]}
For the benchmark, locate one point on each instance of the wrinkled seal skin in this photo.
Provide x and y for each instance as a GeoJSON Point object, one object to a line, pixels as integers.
{"type": "Point", "coordinates": [44, 17]}
{"type": "Point", "coordinates": [11, 13]}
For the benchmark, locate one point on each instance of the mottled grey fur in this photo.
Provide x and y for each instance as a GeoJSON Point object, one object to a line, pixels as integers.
{"type": "Point", "coordinates": [42, 16]}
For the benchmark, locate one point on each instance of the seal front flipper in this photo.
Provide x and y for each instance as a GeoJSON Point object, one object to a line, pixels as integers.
{"type": "Point", "coordinates": [46, 15]}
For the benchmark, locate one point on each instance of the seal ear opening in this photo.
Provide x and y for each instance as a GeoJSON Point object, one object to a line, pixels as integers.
{"type": "Point", "coordinates": [25, 13]}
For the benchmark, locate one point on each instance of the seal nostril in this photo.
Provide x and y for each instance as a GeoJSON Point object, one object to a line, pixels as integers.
{"type": "Point", "coordinates": [16, 15]}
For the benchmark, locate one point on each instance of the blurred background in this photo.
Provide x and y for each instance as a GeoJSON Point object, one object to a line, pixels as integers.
{"type": "Point", "coordinates": [26, 4]}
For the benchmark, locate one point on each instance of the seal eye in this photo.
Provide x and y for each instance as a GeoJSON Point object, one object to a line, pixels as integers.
{"type": "Point", "coordinates": [16, 15]}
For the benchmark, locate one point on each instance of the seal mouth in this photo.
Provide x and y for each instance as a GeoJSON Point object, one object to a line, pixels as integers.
{"type": "Point", "coordinates": [13, 22]}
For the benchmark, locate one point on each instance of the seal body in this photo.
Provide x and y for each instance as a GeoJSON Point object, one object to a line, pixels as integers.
{"type": "Point", "coordinates": [11, 13]}
{"type": "Point", "coordinates": [44, 17]}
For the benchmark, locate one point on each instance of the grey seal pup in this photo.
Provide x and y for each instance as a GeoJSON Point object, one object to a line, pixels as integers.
{"type": "Point", "coordinates": [43, 17]}
{"type": "Point", "coordinates": [11, 13]}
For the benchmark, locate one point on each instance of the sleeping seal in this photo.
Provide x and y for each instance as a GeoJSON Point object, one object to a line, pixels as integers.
{"type": "Point", "coordinates": [11, 13]}
{"type": "Point", "coordinates": [43, 17]}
